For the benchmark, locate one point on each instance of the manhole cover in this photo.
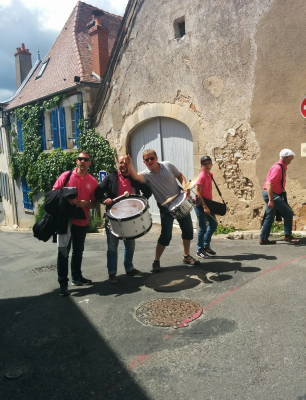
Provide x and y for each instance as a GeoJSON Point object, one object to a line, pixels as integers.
{"type": "Point", "coordinates": [169, 312]}
{"type": "Point", "coordinates": [174, 281]}
{"type": "Point", "coordinates": [47, 268]}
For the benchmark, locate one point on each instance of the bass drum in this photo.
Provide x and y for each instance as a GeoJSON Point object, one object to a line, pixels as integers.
{"type": "Point", "coordinates": [129, 218]}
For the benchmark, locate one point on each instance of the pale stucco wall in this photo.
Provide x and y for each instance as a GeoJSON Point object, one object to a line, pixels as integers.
{"type": "Point", "coordinates": [222, 76]}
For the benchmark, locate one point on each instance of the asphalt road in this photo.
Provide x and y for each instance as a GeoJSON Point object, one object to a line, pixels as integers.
{"type": "Point", "coordinates": [249, 343]}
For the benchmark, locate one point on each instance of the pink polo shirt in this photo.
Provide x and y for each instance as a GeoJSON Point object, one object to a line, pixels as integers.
{"type": "Point", "coordinates": [206, 182]}
{"type": "Point", "coordinates": [124, 185]}
{"type": "Point", "coordinates": [275, 177]}
{"type": "Point", "coordinates": [86, 187]}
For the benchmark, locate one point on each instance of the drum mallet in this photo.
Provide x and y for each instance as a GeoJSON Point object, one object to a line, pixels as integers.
{"type": "Point", "coordinates": [125, 194]}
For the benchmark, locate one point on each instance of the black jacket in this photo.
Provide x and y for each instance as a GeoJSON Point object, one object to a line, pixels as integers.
{"type": "Point", "coordinates": [57, 205]}
{"type": "Point", "coordinates": [108, 188]}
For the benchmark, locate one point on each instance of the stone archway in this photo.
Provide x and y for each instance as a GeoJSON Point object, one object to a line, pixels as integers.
{"type": "Point", "coordinates": [184, 114]}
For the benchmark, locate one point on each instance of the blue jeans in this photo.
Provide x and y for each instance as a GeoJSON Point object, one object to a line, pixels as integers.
{"type": "Point", "coordinates": [283, 208]}
{"type": "Point", "coordinates": [166, 221]}
{"type": "Point", "coordinates": [205, 233]}
{"type": "Point", "coordinates": [78, 235]}
{"type": "Point", "coordinates": [112, 252]}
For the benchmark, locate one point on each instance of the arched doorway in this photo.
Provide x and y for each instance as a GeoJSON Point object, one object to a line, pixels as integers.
{"type": "Point", "coordinates": [172, 141]}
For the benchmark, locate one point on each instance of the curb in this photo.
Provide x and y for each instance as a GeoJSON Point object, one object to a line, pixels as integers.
{"type": "Point", "coordinates": [247, 235]}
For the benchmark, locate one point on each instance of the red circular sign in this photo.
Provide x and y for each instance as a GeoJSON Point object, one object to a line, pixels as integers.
{"type": "Point", "coordinates": [303, 107]}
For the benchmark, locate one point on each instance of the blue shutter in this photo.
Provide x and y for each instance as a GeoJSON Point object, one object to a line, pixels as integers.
{"type": "Point", "coordinates": [62, 127]}
{"type": "Point", "coordinates": [54, 128]}
{"type": "Point", "coordinates": [25, 190]}
{"type": "Point", "coordinates": [77, 113]}
{"type": "Point", "coordinates": [19, 135]}
{"type": "Point", "coordinates": [42, 132]}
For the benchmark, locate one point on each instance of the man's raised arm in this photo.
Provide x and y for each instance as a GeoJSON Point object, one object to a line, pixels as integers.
{"type": "Point", "coordinates": [133, 172]}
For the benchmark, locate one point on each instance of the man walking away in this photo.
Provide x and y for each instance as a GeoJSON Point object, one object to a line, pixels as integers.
{"type": "Point", "coordinates": [274, 195]}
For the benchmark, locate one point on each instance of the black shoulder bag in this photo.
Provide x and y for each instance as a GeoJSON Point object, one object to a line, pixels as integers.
{"type": "Point", "coordinates": [214, 206]}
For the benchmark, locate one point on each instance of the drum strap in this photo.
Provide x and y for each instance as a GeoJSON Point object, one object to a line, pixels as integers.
{"type": "Point", "coordinates": [218, 190]}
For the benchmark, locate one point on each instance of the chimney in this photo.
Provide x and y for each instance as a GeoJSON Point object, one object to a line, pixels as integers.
{"type": "Point", "coordinates": [23, 64]}
{"type": "Point", "coordinates": [99, 44]}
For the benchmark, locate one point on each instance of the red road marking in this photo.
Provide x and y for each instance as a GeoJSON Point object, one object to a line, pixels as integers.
{"type": "Point", "coordinates": [145, 357]}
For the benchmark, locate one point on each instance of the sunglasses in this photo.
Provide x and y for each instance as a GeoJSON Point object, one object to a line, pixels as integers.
{"type": "Point", "coordinates": [83, 159]}
{"type": "Point", "coordinates": [149, 159]}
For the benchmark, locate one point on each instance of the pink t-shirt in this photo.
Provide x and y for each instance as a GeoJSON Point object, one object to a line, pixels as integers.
{"type": "Point", "coordinates": [124, 185]}
{"type": "Point", "coordinates": [275, 177]}
{"type": "Point", "coordinates": [206, 182]}
{"type": "Point", "coordinates": [86, 187]}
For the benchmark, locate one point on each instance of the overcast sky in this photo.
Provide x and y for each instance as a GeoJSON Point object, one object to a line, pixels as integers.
{"type": "Point", "coordinates": [36, 23]}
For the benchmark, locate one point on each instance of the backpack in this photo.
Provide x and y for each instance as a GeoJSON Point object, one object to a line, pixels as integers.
{"type": "Point", "coordinates": [45, 228]}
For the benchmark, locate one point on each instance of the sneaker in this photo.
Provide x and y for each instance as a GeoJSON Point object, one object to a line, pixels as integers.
{"type": "Point", "coordinates": [112, 279]}
{"type": "Point", "coordinates": [64, 290]}
{"type": "Point", "coordinates": [156, 266]}
{"type": "Point", "coordinates": [135, 273]}
{"type": "Point", "coordinates": [208, 250]}
{"type": "Point", "coordinates": [82, 282]}
{"type": "Point", "coordinates": [190, 260]}
{"type": "Point", "coordinates": [202, 254]}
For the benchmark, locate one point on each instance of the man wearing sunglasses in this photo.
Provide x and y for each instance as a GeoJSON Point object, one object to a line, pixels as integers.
{"type": "Point", "coordinates": [161, 177]}
{"type": "Point", "coordinates": [86, 185]}
{"type": "Point", "coordinates": [115, 185]}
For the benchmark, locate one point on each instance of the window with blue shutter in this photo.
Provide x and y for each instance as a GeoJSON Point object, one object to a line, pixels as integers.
{"type": "Point", "coordinates": [62, 127]}
{"type": "Point", "coordinates": [19, 136]}
{"type": "Point", "coordinates": [77, 113]}
{"type": "Point", "coordinates": [25, 190]}
{"type": "Point", "coordinates": [54, 128]}
{"type": "Point", "coordinates": [42, 132]}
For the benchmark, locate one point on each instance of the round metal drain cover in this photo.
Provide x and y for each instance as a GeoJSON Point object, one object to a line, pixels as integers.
{"type": "Point", "coordinates": [169, 312]}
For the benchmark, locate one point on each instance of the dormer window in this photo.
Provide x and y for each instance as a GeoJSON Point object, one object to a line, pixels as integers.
{"type": "Point", "coordinates": [42, 68]}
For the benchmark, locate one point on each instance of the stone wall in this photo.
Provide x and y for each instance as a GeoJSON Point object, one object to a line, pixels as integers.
{"type": "Point", "coordinates": [229, 72]}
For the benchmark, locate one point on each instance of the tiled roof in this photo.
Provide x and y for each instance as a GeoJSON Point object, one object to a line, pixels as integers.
{"type": "Point", "coordinates": [69, 56]}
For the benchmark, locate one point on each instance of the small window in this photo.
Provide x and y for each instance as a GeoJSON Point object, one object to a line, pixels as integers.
{"type": "Point", "coordinates": [73, 131]}
{"type": "Point", "coordinates": [179, 27]}
{"type": "Point", "coordinates": [51, 131]}
{"type": "Point", "coordinates": [42, 68]}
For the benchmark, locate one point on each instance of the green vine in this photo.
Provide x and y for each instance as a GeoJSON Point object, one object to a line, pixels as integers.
{"type": "Point", "coordinates": [41, 169]}
{"type": "Point", "coordinates": [54, 102]}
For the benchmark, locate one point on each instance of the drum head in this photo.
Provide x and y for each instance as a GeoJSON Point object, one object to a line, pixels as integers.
{"type": "Point", "coordinates": [126, 208]}
{"type": "Point", "coordinates": [177, 201]}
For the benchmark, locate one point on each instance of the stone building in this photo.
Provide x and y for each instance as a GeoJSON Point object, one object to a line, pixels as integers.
{"type": "Point", "coordinates": [74, 67]}
{"type": "Point", "coordinates": [212, 77]}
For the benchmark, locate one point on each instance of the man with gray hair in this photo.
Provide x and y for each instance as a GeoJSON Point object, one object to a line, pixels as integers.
{"type": "Point", "coordinates": [275, 197]}
{"type": "Point", "coordinates": [161, 177]}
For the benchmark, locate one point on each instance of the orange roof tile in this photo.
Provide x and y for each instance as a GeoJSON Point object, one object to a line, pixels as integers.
{"type": "Point", "coordinates": [69, 56]}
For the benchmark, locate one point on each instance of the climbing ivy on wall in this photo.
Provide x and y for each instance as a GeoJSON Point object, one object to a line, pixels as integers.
{"type": "Point", "coordinates": [41, 169]}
